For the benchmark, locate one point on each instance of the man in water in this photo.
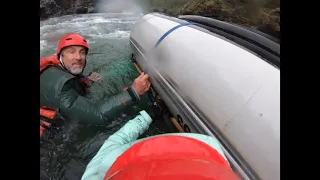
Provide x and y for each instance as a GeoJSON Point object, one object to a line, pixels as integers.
{"type": "Point", "coordinates": [62, 88]}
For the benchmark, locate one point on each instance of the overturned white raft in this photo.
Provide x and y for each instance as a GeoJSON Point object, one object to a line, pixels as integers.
{"type": "Point", "coordinates": [219, 83]}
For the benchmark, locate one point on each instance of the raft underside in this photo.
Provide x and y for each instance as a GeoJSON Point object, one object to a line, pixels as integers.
{"type": "Point", "coordinates": [183, 50]}
{"type": "Point", "coordinates": [191, 120]}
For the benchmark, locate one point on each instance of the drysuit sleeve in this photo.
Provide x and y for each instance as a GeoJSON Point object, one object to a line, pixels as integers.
{"type": "Point", "coordinates": [129, 132]}
{"type": "Point", "coordinates": [76, 107]}
{"type": "Point", "coordinates": [115, 145]}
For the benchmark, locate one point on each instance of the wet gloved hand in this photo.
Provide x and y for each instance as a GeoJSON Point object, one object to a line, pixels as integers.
{"type": "Point", "coordinates": [157, 109]}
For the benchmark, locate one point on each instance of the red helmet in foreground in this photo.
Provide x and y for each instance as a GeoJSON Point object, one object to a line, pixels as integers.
{"type": "Point", "coordinates": [171, 158]}
{"type": "Point", "coordinates": [72, 40]}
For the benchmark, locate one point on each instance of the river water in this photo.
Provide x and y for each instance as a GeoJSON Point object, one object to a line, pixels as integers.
{"type": "Point", "coordinates": [66, 156]}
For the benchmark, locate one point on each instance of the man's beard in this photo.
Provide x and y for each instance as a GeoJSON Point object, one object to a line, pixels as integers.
{"type": "Point", "coordinates": [73, 69]}
{"type": "Point", "coordinates": [76, 70]}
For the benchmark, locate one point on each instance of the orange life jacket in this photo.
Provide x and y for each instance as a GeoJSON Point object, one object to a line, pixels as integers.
{"type": "Point", "coordinates": [48, 114]}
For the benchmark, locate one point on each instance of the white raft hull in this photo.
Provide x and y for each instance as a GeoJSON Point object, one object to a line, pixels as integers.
{"type": "Point", "coordinates": [215, 87]}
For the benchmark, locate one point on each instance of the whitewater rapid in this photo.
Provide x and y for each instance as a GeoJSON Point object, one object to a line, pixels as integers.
{"type": "Point", "coordinates": [95, 27]}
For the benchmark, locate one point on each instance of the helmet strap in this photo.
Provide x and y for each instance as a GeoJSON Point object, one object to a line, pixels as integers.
{"type": "Point", "coordinates": [61, 60]}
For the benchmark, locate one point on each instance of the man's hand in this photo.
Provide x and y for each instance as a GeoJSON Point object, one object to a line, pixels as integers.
{"type": "Point", "coordinates": [141, 84]}
{"type": "Point", "coordinates": [94, 76]}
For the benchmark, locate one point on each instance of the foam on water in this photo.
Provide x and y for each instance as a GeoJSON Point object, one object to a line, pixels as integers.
{"type": "Point", "coordinates": [115, 34]}
{"type": "Point", "coordinates": [91, 26]}
{"type": "Point", "coordinates": [43, 43]}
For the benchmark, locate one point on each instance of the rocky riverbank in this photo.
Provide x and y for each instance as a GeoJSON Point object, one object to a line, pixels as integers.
{"type": "Point", "coordinates": [55, 8]}
{"type": "Point", "coordinates": [263, 15]}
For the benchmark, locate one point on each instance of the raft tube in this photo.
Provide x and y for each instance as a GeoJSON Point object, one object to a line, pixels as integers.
{"type": "Point", "coordinates": [218, 79]}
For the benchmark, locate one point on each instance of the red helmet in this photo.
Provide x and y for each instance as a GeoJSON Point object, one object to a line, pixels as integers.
{"type": "Point", "coordinates": [72, 40]}
{"type": "Point", "coordinates": [171, 158]}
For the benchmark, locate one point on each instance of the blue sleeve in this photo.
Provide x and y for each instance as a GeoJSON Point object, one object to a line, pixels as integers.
{"type": "Point", "coordinates": [115, 145]}
{"type": "Point", "coordinates": [129, 132]}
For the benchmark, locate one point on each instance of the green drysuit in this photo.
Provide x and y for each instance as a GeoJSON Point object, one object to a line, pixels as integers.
{"type": "Point", "coordinates": [64, 92]}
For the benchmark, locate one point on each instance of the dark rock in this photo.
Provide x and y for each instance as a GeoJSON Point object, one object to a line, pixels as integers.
{"type": "Point", "coordinates": [54, 8]}
{"type": "Point", "coordinates": [91, 9]}
{"type": "Point", "coordinates": [47, 9]}
{"type": "Point", "coordinates": [81, 10]}
{"type": "Point", "coordinates": [276, 11]}
{"type": "Point", "coordinates": [158, 9]}
{"type": "Point", "coordinates": [269, 29]}
{"type": "Point", "coordinates": [248, 13]}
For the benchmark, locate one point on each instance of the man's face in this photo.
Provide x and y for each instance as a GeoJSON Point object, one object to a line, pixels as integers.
{"type": "Point", "coordinates": [74, 58]}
